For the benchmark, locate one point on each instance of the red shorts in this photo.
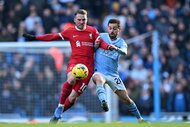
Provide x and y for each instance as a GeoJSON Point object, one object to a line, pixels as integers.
{"type": "Point", "coordinates": [80, 85]}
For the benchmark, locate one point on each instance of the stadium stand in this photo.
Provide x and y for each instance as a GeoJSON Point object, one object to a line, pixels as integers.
{"type": "Point", "coordinates": [170, 17]}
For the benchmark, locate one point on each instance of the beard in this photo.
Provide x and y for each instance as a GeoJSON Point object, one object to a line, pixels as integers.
{"type": "Point", "coordinates": [81, 27]}
{"type": "Point", "coordinates": [113, 36]}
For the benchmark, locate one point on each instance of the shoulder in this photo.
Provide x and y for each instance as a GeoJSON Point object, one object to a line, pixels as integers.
{"type": "Point", "coordinates": [70, 29]}
{"type": "Point", "coordinates": [122, 41]}
{"type": "Point", "coordinates": [91, 28]}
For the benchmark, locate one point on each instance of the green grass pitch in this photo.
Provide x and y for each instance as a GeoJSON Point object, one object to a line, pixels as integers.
{"type": "Point", "coordinates": [99, 125]}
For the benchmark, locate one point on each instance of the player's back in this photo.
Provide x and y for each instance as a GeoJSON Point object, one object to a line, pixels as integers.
{"type": "Point", "coordinates": [106, 61]}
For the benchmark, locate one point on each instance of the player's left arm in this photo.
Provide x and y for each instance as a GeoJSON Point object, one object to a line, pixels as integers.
{"type": "Point", "coordinates": [122, 49]}
{"type": "Point", "coordinates": [100, 43]}
{"type": "Point", "coordinates": [105, 45]}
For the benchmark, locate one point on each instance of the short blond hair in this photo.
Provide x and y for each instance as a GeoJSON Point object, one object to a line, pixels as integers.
{"type": "Point", "coordinates": [81, 11]}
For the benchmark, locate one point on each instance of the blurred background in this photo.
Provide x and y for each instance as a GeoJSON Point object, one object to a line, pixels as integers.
{"type": "Point", "coordinates": [30, 80]}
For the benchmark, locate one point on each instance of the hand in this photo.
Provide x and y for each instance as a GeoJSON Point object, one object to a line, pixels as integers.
{"type": "Point", "coordinates": [29, 37]}
{"type": "Point", "coordinates": [112, 47]}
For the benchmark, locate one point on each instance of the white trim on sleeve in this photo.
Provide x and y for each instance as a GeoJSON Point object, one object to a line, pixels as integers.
{"type": "Point", "coordinates": [61, 36]}
{"type": "Point", "coordinates": [97, 38]}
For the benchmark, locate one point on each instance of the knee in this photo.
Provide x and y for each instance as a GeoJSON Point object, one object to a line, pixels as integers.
{"type": "Point", "coordinates": [71, 80]}
{"type": "Point", "coordinates": [72, 98]}
{"type": "Point", "coordinates": [98, 79]}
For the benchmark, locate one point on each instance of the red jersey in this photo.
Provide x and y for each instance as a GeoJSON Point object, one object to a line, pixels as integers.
{"type": "Point", "coordinates": [82, 44]}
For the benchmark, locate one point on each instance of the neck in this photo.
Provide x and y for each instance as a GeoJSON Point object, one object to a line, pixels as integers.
{"type": "Point", "coordinates": [113, 39]}
{"type": "Point", "coordinates": [80, 29]}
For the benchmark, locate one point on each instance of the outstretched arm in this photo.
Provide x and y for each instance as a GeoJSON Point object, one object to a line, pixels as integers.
{"type": "Point", "coordinates": [102, 44]}
{"type": "Point", "coordinates": [45, 37]}
{"type": "Point", "coordinates": [122, 51]}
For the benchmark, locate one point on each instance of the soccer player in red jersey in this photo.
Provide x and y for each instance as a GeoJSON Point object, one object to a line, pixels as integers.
{"type": "Point", "coordinates": [82, 39]}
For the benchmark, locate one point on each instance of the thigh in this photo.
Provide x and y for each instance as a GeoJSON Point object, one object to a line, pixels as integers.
{"type": "Point", "coordinates": [70, 67]}
{"type": "Point", "coordinates": [115, 83]}
{"type": "Point", "coordinates": [81, 85]}
{"type": "Point", "coordinates": [100, 77]}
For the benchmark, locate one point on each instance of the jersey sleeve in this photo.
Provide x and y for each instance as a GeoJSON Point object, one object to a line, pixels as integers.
{"type": "Point", "coordinates": [124, 45]}
{"type": "Point", "coordinates": [103, 44]}
{"type": "Point", "coordinates": [123, 48]}
{"type": "Point", "coordinates": [55, 36]}
{"type": "Point", "coordinates": [48, 37]}
{"type": "Point", "coordinates": [96, 33]}
{"type": "Point", "coordinates": [65, 34]}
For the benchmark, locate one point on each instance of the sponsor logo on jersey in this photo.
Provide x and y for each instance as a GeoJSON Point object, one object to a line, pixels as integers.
{"type": "Point", "coordinates": [87, 44]}
{"type": "Point", "coordinates": [110, 54]}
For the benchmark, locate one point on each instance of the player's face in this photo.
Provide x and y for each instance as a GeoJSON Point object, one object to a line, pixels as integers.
{"type": "Point", "coordinates": [113, 30]}
{"type": "Point", "coordinates": [80, 21]}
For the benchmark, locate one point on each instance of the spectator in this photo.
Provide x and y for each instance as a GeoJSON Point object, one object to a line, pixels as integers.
{"type": "Point", "coordinates": [32, 19]}
{"type": "Point", "coordinates": [178, 100]}
{"type": "Point", "coordinates": [38, 17]}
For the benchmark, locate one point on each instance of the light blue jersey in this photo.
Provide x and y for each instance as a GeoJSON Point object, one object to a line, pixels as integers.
{"type": "Point", "coordinates": [106, 65]}
{"type": "Point", "coordinates": [106, 61]}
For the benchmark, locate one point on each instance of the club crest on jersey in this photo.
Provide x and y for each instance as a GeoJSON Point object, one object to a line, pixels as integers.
{"type": "Point", "coordinates": [90, 35]}
{"type": "Point", "coordinates": [78, 44]}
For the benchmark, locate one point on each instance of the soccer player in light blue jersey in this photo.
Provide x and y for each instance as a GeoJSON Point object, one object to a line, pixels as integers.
{"type": "Point", "coordinates": [106, 69]}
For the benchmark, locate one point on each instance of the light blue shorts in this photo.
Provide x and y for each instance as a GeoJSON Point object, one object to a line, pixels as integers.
{"type": "Point", "coordinates": [114, 82]}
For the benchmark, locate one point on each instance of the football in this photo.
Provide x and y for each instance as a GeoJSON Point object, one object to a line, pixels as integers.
{"type": "Point", "coordinates": [80, 71]}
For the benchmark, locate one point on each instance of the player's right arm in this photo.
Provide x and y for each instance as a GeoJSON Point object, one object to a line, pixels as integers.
{"type": "Point", "coordinates": [45, 37]}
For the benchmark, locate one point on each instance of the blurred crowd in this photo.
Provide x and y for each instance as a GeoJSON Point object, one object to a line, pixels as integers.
{"type": "Point", "coordinates": [23, 76]}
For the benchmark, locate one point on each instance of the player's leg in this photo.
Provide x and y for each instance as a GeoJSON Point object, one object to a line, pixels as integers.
{"type": "Point", "coordinates": [77, 90]}
{"type": "Point", "coordinates": [70, 101]}
{"type": "Point", "coordinates": [131, 106]}
{"type": "Point", "coordinates": [67, 88]}
{"type": "Point", "coordinates": [65, 92]}
{"type": "Point", "coordinates": [118, 87]}
{"type": "Point", "coordinates": [99, 81]}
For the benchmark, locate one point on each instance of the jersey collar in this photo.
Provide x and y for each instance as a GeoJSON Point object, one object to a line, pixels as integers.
{"type": "Point", "coordinates": [79, 29]}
